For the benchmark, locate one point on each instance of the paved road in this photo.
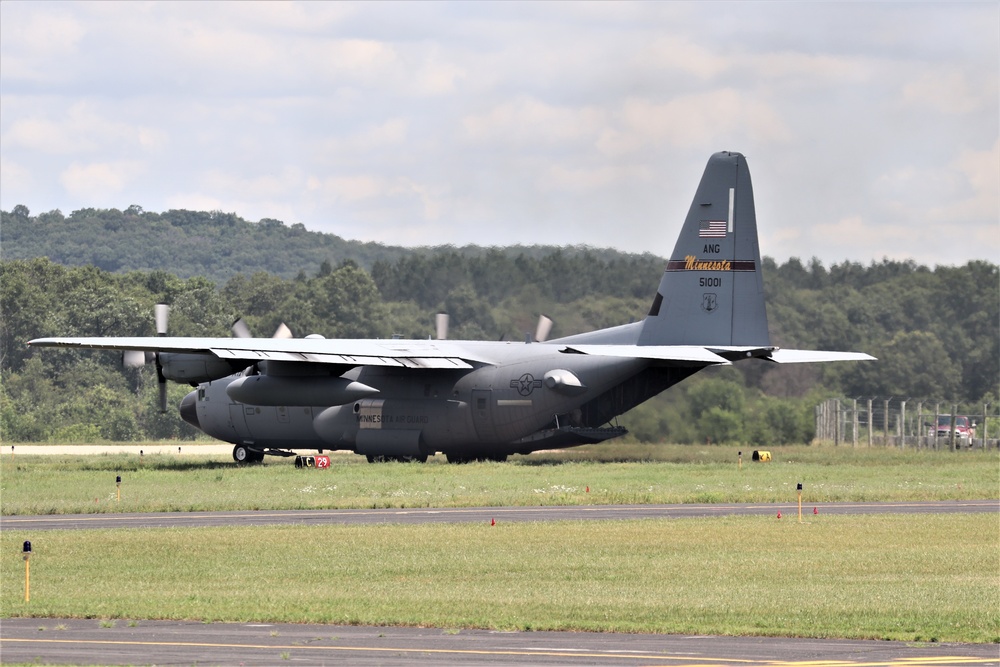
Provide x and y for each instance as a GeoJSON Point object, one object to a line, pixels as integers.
{"type": "Point", "coordinates": [185, 643]}
{"type": "Point", "coordinates": [474, 514]}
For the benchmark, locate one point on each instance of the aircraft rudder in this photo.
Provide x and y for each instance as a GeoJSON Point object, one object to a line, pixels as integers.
{"type": "Point", "coordinates": [711, 292]}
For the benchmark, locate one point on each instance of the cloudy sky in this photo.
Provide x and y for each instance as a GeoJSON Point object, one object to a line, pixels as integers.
{"type": "Point", "coordinates": [871, 129]}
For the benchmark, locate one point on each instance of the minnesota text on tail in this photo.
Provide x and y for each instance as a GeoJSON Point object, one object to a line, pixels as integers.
{"type": "Point", "coordinates": [407, 399]}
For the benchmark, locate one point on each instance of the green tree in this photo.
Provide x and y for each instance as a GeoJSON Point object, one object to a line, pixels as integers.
{"type": "Point", "coordinates": [348, 304]}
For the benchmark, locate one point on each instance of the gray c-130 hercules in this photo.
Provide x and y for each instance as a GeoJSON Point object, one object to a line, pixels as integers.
{"type": "Point", "coordinates": [408, 399]}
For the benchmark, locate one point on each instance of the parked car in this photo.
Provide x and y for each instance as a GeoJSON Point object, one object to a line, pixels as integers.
{"type": "Point", "coordinates": [965, 429]}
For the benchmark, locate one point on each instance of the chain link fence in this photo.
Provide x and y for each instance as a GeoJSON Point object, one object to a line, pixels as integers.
{"type": "Point", "coordinates": [893, 422]}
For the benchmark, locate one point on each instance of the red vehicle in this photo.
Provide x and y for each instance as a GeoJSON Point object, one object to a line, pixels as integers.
{"type": "Point", "coordinates": [964, 428]}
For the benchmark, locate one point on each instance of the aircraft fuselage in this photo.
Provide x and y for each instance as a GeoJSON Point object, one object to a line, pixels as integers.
{"type": "Point", "coordinates": [487, 411]}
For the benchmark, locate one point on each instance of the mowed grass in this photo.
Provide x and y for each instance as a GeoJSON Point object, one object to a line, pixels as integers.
{"type": "Point", "coordinates": [629, 474]}
{"type": "Point", "coordinates": [926, 578]}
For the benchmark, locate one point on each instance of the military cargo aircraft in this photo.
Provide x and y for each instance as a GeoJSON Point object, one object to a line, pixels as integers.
{"type": "Point", "coordinates": [409, 399]}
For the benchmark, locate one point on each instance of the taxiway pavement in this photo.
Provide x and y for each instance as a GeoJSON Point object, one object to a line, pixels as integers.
{"type": "Point", "coordinates": [89, 641]}
{"type": "Point", "coordinates": [477, 514]}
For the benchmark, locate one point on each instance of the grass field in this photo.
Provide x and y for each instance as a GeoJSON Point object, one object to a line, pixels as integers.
{"type": "Point", "coordinates": [666, 474]}
{"type": "Point", "coordinates": [888, 577]}
{"type": "Point", "coordinates": [928, 578]}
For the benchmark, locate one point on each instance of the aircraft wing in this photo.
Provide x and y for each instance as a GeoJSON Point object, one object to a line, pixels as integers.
{"type": "Point", "coordinates": [681, 353]}
{"type": "Point", "coordinates": [401, 353]}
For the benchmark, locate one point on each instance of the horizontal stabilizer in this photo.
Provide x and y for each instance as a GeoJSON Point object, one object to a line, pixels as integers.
{"type": "Point", "coordinates": [810, 356]}
{"type": "Point", "coordinates": [683, 353]}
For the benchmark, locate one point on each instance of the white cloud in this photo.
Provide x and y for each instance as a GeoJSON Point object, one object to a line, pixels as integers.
{"type": "Point", "coordinates": [530, 121]}
{"type": "Point", "coordinates": [582, 179]}
{"type": "Point", "coordinates": [83, 128]}
{"type": "Point", "coordinates": [33, 41]}
{"type": "Point", "coordinates": [692, 120]}
{"type": "Point", "coordinates": [99, 182]}
{"type": "Point", "coordinates": [355, 188]}
{"type": "Point", "coordinates": [946, 90]}
{"type": "Point", "coordinates": [17, 181]}
{"type": "Point", "coordinates": [509, 123]}
{"type": "Point", "coordinates": [678, 52]}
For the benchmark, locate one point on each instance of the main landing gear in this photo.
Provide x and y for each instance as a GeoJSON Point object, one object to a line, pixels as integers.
{"type": "Point", "coordinates": [467, 458]}
{"type": "Point", "coordinates": [244, 454]}
{"type": "Point", "coordinates": [378, 458]}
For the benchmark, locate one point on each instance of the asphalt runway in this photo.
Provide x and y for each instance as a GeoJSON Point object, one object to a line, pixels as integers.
{"type": "Point", "coordinates": [478, 514]}
{"type": "Point", "coordinates": [88, 642]}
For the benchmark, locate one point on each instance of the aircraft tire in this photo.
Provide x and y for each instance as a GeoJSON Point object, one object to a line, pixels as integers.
{"type": "Point", "coordinates": [243, 454]}
{"type": "Point", "coordinates": [374, 458]}
{"type": "Point", "coordinates": [459, 458]}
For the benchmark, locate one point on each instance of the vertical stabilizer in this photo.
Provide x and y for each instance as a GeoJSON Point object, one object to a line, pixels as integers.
{"type": "Point", "coordinates": [712, 292]}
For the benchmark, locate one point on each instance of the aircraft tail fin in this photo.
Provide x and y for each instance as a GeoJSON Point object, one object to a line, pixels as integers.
{"type": "Point", "coordinates": [712, 291]}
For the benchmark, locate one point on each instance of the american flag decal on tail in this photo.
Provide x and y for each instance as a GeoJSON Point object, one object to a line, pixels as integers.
{"type": "Point", "coordinates": [712, 229]}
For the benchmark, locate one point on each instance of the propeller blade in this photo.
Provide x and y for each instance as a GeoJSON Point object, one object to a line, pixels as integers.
{"type": "Point", "coordinates": [282, 332]}
{"type": "Point", "coordinates": [441, 324]}
{"type": "Point", "coordinates": [240, 329]}
{"type": "Point", "coordinates": [162, 312]}
{"type": "Point", "coordinates": [162, 383]}
{"type": "Point", "coordinates": [543, 329]}
{"type": "Point", "coordinates": [133, 358]}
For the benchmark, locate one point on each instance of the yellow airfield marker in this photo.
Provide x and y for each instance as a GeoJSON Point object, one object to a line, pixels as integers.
{"type": "Point", "coordinates": [26, 552]}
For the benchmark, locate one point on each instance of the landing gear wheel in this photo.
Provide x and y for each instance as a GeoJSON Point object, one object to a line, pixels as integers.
{"type": "Point", "coordinates": [381, 458]}
{"type": "Point", "coordinates": [243, 454]}
{"type": "Point", "coordinates": [465, 458]}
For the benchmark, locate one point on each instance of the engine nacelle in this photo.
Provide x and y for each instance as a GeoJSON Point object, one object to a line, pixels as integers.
{"type": "Point", "coordinates": [194, 368]}
{"type": "Point", "coordinates": [280, 390]}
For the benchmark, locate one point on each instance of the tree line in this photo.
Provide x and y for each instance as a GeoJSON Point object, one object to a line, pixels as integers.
{"type": "Point", "coordinates": [934, 331]}
{"type": "Point", "coordinates": [210, 244]}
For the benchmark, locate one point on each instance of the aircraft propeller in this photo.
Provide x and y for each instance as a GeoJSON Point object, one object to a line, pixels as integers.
{"type": "Point", "coordinates": [138, 358]}
{"type": "Point", "coordinates": [162, 313]}
{"type": "Point", "coordinates": [543, 328]}
{"type": "Point", "coordinates": [441, 323]}
{"type": "Point", "coordinates": [240, 329]}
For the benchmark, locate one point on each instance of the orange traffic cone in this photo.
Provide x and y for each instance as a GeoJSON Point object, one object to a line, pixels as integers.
{"type": "Point", "coordinates": [493, 522]}
{"type": "Point", "coordinates": [815, 511]}
{"type": "Point", "coordinates": [779, 514]}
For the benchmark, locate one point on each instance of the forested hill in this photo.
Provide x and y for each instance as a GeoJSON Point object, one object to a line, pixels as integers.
{"type": "Point", "coordinates": [934, 331]}
{"type": "Point", "coordinates": [212, 244]}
